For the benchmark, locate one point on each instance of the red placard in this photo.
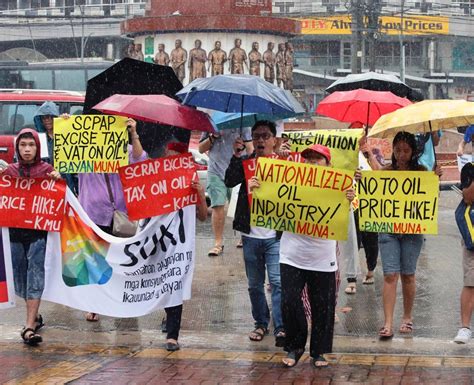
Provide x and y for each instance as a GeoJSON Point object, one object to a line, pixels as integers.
{"type": "Point", "coordinates": [250, 164]}
{"type": "Point", "coordinates": [32, 203]}
{"type": "Point", "coordinates": [158, 186]}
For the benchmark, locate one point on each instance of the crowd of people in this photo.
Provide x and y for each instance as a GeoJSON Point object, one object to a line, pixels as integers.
{"type": "Point", "coordinates": [303, 271]}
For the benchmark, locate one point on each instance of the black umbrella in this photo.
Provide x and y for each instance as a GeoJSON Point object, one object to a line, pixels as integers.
{"type": "Point", "coordinates": [135, 77]}
{"type": "Point", "coordinates": [375, 82]}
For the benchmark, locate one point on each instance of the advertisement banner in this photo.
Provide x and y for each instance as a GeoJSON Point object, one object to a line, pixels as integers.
{"type": "Point", "coordinates": [399, 202]}
{"type": "Point", "coordinates": [32, 203]}
{"type": "Point", "coordinates": [158, 186]}
{"type": "Point", "coordinates": [301, 198]}
{"type": "Point", "coordinates": [90, 143]}
{"type": "Point", "coordinates": [344, 144]}
{"type": "Point", "coordinates": [7, 289]}
{"type": "Point", "coordinates": [90, 270]}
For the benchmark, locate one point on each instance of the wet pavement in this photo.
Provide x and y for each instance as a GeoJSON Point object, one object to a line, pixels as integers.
{"type": "Point", "coordinates": [215, 346]}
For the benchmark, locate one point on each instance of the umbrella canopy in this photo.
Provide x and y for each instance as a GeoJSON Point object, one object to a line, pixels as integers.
{"type": "Point", "coordinates": [423, 117]}
{"type": "Point", "coordinates": [131, 77]}
{"type": "Point", "coordinates": [156, 109]}
{"type": "Point", "coordinates": [360, 105]}
{"type": "Point", "coordinates": [375, 82]}
{"type": "Point", "coordinates": [237, 93]}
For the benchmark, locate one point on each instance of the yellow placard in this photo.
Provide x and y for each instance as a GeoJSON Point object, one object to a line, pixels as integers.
{"type": "Point", "coordinates": [301, 198]}
{"type": "Point", "coordinates": [389, 25]}
{"type": "Point", "coordinates": [90, 144]}
{"type": "Point", "coordinates": [399, 202]}
{"type": "Point", "coordinates": [344, 144]}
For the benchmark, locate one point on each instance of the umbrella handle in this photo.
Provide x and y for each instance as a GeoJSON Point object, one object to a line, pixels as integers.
{"type": "Point", "coordinates": [187, 95]}
{"type": "Point", "coordinates": [432, 143]}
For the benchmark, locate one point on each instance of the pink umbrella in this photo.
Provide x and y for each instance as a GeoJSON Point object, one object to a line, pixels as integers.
{"type": "Point", "coordinates": [159, 109]}
{"type": "Point", "coordinates": [360, 105]}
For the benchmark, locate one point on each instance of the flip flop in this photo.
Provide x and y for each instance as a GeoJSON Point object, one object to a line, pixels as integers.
{"type": "Point", "coordinates": [351, 289]}
{"type": "Point", "coordinates": [406, 327]}
{"type": "Point", "coordinates": [319, 362]}
{"type": "Point", "coordinates": [216, 251]}
{"type": "Point", "coordinates": [32, 338]}
{"type": "Point", "coordinates": [92, 317]}
{"type": "Point", "coordinates": [258, 333]}
{"type": "Point", "coordinates": [293, 355]}
{"type": "Point", "coordinates": [385, 333]}
{"type": "Point", "coordinates": [368, 280]}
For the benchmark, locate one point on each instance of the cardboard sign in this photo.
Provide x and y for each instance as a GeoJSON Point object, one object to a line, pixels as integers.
{"type": "Point", "coordinates": [32, 203]}
{"type": "Point", "coordinates": [251, 164]}
{"type": "Point", "coordinates": [400, 202]}
{"type": "Point", "coordinates": [344, 144]}
{"type": "Point", "coordinates": [90, 143]}
{"type": "Point", "coordinates": [301, 198]}
{"type": "Point", "coordinates": [158, 186]}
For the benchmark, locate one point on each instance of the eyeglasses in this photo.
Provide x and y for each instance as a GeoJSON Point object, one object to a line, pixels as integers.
{"type": "Point", "coordinates": [264, 136]}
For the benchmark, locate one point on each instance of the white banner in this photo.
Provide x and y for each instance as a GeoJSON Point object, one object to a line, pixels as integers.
{"type": "Point", "coordinates": [7, 288]}
{"type": "Point", "coordinates": [90, 270]}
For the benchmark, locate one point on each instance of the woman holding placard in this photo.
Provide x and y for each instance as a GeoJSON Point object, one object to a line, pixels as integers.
{"type": "Point", "coordinates": [400, 252]}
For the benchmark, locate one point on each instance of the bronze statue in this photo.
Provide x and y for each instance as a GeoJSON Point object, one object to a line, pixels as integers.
{"type": "Point", "coordinates": [237, 58]}
{"type": "Point", "coordinates": [161, 56]}
{"type": "Point", "coordinates": [139, 52]}
{"type": "Point", "coordinates": [217, 57]}
{"type": "Point", "coordinates": [289, 64]}
{"type": "Point", "coordinates": [197, 62]}
{"type": "Point", "coordinates": [178, 58]}
{"type": "Point", "coordinates": [269, 59]}
{"type": "Point", "coordinates": [280, 65]}
{"type": "Point", "coordinates": [255, 58]}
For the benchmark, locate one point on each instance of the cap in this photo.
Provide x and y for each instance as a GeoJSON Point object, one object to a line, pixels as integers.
{"type": "Point", "coordinates": [320, 149]}
{"type": "Point", "coordinates": [179, 147]}
{"type": "Point", "coordinates": [467, 175]}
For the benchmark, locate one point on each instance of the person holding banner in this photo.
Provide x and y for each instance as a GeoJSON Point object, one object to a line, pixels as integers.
{"type": "Point", "coordinates": [311, 262]}
{"type": "Point", "coordinates": [94, 191]}
{"type": "Point", "coordinates": [261, 247]}
{"type": "Point", "coordinates": [400, 252]}
{"type": "Point", "coordinates": [28, 247]}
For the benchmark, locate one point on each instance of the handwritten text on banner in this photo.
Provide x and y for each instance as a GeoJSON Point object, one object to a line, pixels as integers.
{"type": "Point", "coordinates": [301, 198]}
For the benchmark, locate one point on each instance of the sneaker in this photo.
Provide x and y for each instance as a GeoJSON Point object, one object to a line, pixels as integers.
{"type": "Point", "coordinates": [463, 336]}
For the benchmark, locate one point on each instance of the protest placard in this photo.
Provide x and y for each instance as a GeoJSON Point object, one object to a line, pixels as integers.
{"type": "Point", "coordinates": [158, 186]}
{"type": "Point", "coordinates": [301, 198]}
{"type": "Point", "coordinates": [7, 290]}
{"type": "Point", "coordinates": [400, 202]}
{"type": "Point", "coordinates": [32, 203]}
{"type": "Point", "coordinates": [251, 163]}
{"type": "Point", "coordinates": [90, 143]}
{"type": "Point", "coordinates": [90, 270]}
{"type": "Point", "coordinates": [344, 144]}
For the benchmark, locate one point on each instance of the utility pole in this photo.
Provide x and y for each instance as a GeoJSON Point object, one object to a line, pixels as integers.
{"type": "Point", "coordinates": [373, 13]}
{"type": "Point", "coordinates": [402, 45]}
{"type": "Point", "coordinates": [356, 36]}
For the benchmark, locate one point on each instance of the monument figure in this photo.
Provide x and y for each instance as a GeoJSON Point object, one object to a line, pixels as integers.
{"type": "Point", "coordinates": [280, 65]}
{"type": "Point", "coordinates": [217, 57]}
{"type": "Point", "coordinates": [269, 59]}
{"type": "Point", "coordinates": [289, 65]}
{"type": "Point", "coordinates": [178, 59]}
{"type": "Point", "coordinates": [237, 58]}
{"type": "Point", "coordinates": [197, 62]}
{"type": "Point", "coordinates": [161, 56]}
{"type": "Point", "coordinates": [255, 58]}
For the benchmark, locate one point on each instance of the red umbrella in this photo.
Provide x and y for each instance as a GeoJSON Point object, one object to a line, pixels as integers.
{"type": "Point", "coordinates": [159, 109]}
{"type": "Point", "coordinates": [360, 105]}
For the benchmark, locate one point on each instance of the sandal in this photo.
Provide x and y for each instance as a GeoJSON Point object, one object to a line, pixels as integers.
{"type": "Point", "coordinates": [172, 346]}
{"type": "Point", "coordinates": [406, 327]}
{"type": "Point", "coordinates": [350, 289]}
{"type": "Point", "coordinates": [239, 244]}
{"type": "Point", "coordinates": [32, 338]}
{"type": "Point", "coordinates": [280, 339]}
{"type": "Point", "coordinates": [368, 280]}
{"type": "Point", "coordinates": [39, 322]}
{"type": "Point", "coordinates": [258, 333]}
{"type": "Point", "coordinates": [292, 358]}
{"type": "Point", "coordinates": [385, 333]}
{"type": "Point", "coordinates": [216, 251]}
{"type": "Point", "coordinates": [92, 317]}
{"type": "Point", "coordinates": [319, 362]}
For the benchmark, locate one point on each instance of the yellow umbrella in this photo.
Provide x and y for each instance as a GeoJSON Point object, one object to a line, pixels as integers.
{"type": "Point", "coordinates": [426, 116]}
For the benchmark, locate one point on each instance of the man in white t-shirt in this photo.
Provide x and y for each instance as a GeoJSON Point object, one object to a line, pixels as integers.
{"type": "Point", "coordinates": [261, 246]}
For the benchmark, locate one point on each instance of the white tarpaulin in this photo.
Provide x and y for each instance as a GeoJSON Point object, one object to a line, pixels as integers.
{"type": "Point", "coordinates": [90, 270]}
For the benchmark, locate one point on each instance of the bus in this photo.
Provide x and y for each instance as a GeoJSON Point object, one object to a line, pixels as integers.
{"type": "Point", "coordinates": [50, 75]}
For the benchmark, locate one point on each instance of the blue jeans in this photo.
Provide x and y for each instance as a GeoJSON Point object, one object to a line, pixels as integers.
{"type": "Point", "coordinates": [258, 254]}
{"type": "Point", "coordinates": [28, 268]}
{"type": "Point", "coordinates": [400, 252]}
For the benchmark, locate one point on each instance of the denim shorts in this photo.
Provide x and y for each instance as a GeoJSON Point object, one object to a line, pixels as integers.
{"type": "Point", "coordinates": [400, 252]}
{"type": "Point", "coordinates": [218, 192]}
{"type": "Point", "coordinates": [28, 268]}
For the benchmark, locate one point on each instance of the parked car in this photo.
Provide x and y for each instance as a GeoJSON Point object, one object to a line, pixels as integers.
{"type": "Point", "coordinates": [18, 108]}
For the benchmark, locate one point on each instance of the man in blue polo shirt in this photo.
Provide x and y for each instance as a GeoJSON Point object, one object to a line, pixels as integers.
{"type": "Point", "coordinates": [467, 139]}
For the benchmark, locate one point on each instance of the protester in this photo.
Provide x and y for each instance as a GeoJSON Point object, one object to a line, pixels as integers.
{"type": "Point", "coordinates": [44, 123]}
{"type": "Point", "coordinates": [94, 194]}
{"type": "Point", "coordinates": [311, 262]}
{"type": "Point", "coordinates": [467, 295]}
{"type": "Point", "coordinates": [466, 139]}
{"type": "Point", "coordinates": [400, 252]}
{"type": "Point", "coordinates": [220, 151]}
{"type": "Point", "coordinates": [426, 143]}
{"type": "Point", "coordinates": [28, 247]}
{"type": "Point", "coordinates": [261, 247]}
{"type": "Point", "coordinates": [173, 314]}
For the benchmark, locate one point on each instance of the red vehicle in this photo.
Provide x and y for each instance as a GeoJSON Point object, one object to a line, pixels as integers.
{"type": "Point", "coordinates": [18, 108]}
